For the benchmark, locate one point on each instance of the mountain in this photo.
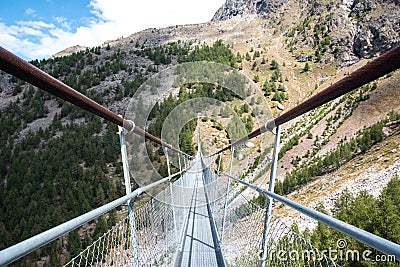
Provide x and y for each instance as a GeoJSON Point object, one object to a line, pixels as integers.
{"type": "Point", "coordinates": [66, 162]}
{"type": "Point", "coordinates": [260, 8]}
{"type": "Point", "coordinates": [348, 30]}
{"type": "Point", "coordinates": [69, 50]}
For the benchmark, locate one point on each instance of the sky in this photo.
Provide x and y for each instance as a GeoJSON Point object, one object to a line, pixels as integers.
{"type": "Point", "coordinates": [40, 28]}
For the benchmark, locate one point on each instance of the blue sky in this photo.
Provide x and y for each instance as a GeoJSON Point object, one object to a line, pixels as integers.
{"type": "Point", "coordinates": [41, 28]}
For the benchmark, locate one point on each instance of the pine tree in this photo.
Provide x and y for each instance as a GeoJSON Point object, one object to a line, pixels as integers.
{"type": "Point", "coordinates": [74, 243]}
{"type": "Point", "coordinates": [248, 57]}
{"type": "Point", "coordinates": [306, 67]}
{"type": "Point", "coordinates": [274, 65]}
{"type": "Point", "coordinates": [256, 78]}
{"type": "Point", "coordinates": [263, 61]}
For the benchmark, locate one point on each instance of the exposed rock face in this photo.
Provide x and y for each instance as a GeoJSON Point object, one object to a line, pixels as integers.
{"type": "Point", "coordinates": [367, 28]}
{"type": "Point", "coordinates": [234, 8]}
{"type": "Point", "coordinates": [377, 32]}
{"type": "Point", "coordinates": [355, 28]}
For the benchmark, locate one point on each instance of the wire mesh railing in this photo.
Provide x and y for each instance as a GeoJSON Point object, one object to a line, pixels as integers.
{"type": "Point", "coordinates": [159, 239]}
{"type": "Point", "coordinates": [241, 240]}
{"type": "Point", "coordinates": [286, 247]}
{"type": "Point", "coordinates": [369, 239]}
{"type": "Point", "coordinates": [244, 224]}
{"type": "Point", "coordinates": [154, 232]}
{"type": "Point", "coordinates": [113, 248]}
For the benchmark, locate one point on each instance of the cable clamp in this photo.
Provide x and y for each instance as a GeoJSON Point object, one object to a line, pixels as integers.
{"type": "Point", "coordinates": [270, 126]}
{"type": "Point", "coordinates": [129, 124]}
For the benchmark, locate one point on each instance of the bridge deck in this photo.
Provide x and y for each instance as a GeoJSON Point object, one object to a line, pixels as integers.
{"type": "Point", "coordinates": [199, 244]}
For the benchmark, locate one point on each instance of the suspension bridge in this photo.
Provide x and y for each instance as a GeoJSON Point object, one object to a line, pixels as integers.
{"type": "Point", "coordinates": [193, 221]}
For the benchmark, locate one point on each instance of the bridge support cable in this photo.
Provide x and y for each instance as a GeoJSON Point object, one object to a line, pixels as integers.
{"type": "Point", "coordinates": [130, 203]}
{"type": "Point", "coordinates": [382, 65]}
{"type": "Point", "coordinates": [269, 200]}
{"type": "Point", "coordinates": [23, 70]}
{"type": "Point", "coordinates": [374, 241]}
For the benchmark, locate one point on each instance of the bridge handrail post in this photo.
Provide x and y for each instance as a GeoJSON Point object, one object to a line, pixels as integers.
{"type": "Point", "coordinates": [181, 185]}
{"type": "Point", "coordinates": [172, 195]}
{"type": "Point", "coordinates": [130, 203]}
{"type": "Point", "coordinates": [219, 162]}
{"type": "Point", "coordinates": [179, 163]}
{"type": "Point", "coordinates": [227, 193]}
{"type": "Point", "coordinates": [269, 200]}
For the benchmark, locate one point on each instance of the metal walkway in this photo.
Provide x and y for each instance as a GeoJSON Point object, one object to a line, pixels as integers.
{"type": "Point", "coordinates": [199, 243]}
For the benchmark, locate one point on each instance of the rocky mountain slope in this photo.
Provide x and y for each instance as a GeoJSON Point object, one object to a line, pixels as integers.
{"type": "Point", "coordinates": [349, 29]}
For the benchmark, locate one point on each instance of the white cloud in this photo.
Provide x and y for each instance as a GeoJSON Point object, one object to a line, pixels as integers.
{"type": "Point", "coordinates": [9, 40]}
{"type": "Point", "coordinates": [60, 19]}
{"type": "Point", "coordinates": [137, 15]}
{"type": "Point", "coordinates": [26, 31]}
{"type": "Point", "coordinates": [63, 22]}
{"type": "Point", "coordinates": [30, 11]}
{"type": "Point", "coordinates": [110, 20]}
{"type": "Point", "coordinates": [35, 24]}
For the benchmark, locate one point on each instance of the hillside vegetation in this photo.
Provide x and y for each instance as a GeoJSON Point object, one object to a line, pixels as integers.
{"type": "Point", "coordinates": [375, 215]}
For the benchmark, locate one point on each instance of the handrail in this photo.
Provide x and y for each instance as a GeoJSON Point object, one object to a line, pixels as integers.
{"type": "Point", "coordinates": [29, 245]}
{"type": "Point", "coordinates": [18, 67]}
{"type": "Point", "coordinates": [374, 241]}
{"type": "Point", "coordinates": [382, 65]}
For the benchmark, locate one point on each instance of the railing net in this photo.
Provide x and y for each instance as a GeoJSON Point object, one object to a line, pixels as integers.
{"type": "Point", "coordinates": [240, 232]}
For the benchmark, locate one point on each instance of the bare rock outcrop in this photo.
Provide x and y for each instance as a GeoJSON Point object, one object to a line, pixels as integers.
{"type": "Point", "coordinates": [338, 32]}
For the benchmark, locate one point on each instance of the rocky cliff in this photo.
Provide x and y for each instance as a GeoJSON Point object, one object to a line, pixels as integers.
{"type": "Point", "coordinates": [234, 8]}
{"type": "Point", "coordinates": [330, 31]}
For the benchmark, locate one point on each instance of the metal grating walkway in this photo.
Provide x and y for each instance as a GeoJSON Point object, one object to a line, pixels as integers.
{"type": "Point", "coordinates": [199, 243]}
